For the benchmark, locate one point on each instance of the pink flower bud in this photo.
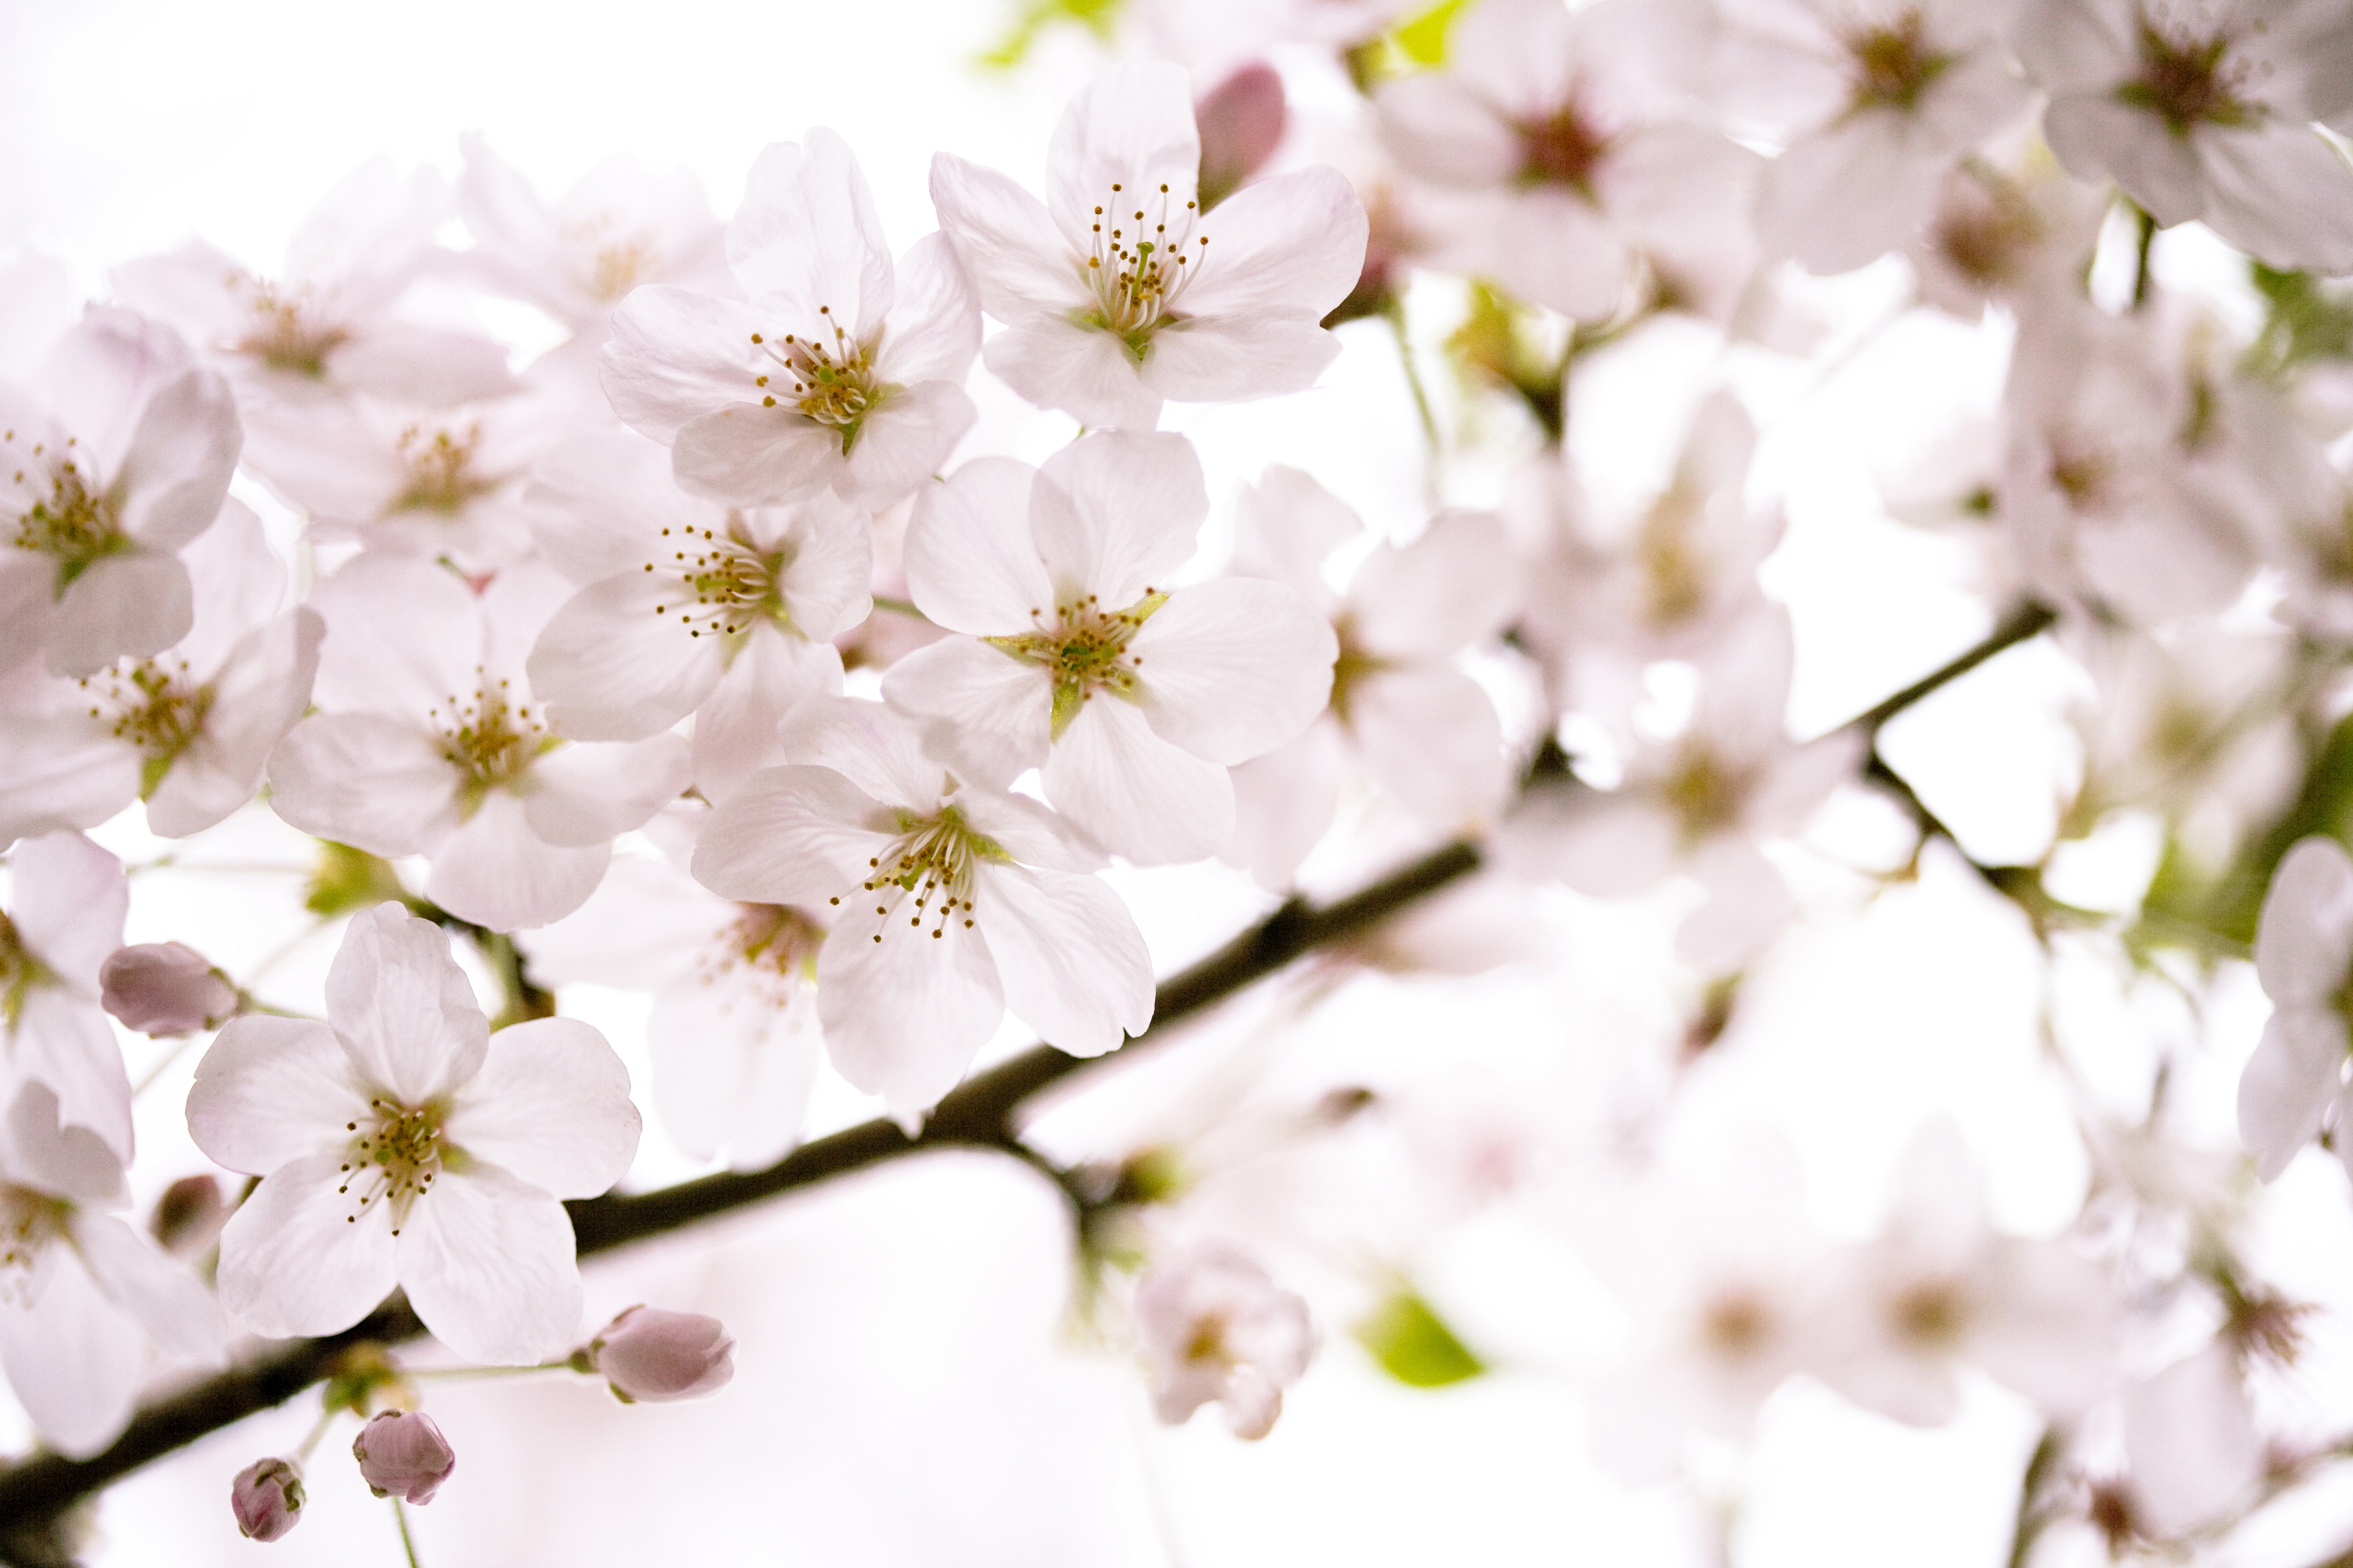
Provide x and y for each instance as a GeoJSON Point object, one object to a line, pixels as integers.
{"type": "Point", "coordinates": [654, 1355]}
{"type": "Point", "coordinates": [165, 988]}
{"type": "Point", "coordinates": [189, 1215]}
{"type": "Point", "coordinates": [267, 1497]}
{"type": "Point", "coordinates": [402, 1453]}
{"type": "Point", "coordinates": [1241, 120]}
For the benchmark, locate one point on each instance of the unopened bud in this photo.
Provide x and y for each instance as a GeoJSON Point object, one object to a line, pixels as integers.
{"type": "Point", "coordinates": [189, 1215]}
{"type": "Point", "coordinates": [1242, 121]}
{"type": "Point", "coordinates": [403, 1454]}
{"type": "Point", "coordinates": [656, 1355]}
{"type": "Point", "coordinates": [165, 988]}
{"type": "Point", "coordinates": [267, 1497]}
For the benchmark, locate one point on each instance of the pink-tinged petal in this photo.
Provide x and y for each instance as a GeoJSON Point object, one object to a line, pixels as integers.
{"type": "Point", "coordinates": [615, 664]}
{"type": "Point", "coordinates": [162, 1296]}
{"type": "Point", "coordinates": [1431, 738]}
{"type": "Point", "coordinates": [1285, 526]}
{"type": "Point", "coordinates": [990, 714]}
{"type": "Point", "coordinates": [39, 1150]}
{"type": "Point", "coordinates": [403, 636]}
{"type": "Point", "coordinates": [299, 1257]}
{"type": "Point", "coordinates": [1522, 56]}
{"type": "Point", "coordinates": [676, 355]}
{"type": "Point", "coordinates": [487, 1261]}
{"type": "Point", "coordinates": [1134, 792]}
{"type": "Point", "coordinates": [1284, 803]}
{"type": "Point", "coordinates": [971, 562]}
{"type": "Point", "coordinates": [903, 443]}
{"type": "Point", "coordinates": [1116, 515]}
{"type": "Point", "coordinates": [934, 329]}
{"type": "Point", "coordinates": [74, 1359]}
{"type": "Point", "coordinates": [735, 725]}
{"type": "Point", "coordinates": [1086, 372]}
{"type": "Point", "coordinates": [28, 607]}
{"type": "Point", "coordinates": [2071, 46]}
{"type": "Point", "coordinates": [423, 366]}
{"type": "Point", "coordinates": [175, 472]}
{"type": "Point", "coordinates": [550, 1106]}
{"type": "Point", "coordinates": [59, 772]}
{"type": "Point", "coordinates": [807, 240]}
{"type": "Point", "coordinates": [1438, 596]}
{"type": "Point", "coordinates": [376, 784]}
{"type": "Point", "coordinates": [2097, 138]}
{"type": "Point", "coordinates": [101, 375]}
{"type": "Point", "coordinates": [137, 604]}
{"type": "Point", "coordinates": [1605, 846]}
{"type": "Point", "coordinates": [1017, 263]}
{"type": "Point", "coordinates": [407, 1018]}
{"type": "Point", "coordinates": [790, 836]}
{"type": "Point", "coordinates": [591, 793]}
{"type": "Point", "coordinates": [68, 898]}
{"type": "Point", "coordinates": [743, 452]}
{"type": "Point", "coordinates": [1549, 247]}
{"type": "Point", "coordinates": [732, 1071]}
{"type": "Point", "coordinates": [1234, 359]}
{"type": "Point", "coordinates": [1841, 198]}
{"type": "Point", "coordinates": [2304, 938]}
{"type": "Point", "coordinates": [1747, 906]}
{"type": "Point", "coordinates": [875, 746]}
{"type": "Point", "coordinates": [1440, 130]}
{"type": "Point", "coordinates": [1073, 965]}
{"type": "Point", "coordinates": [2286, 1087]}
{"type": "Point", "coordinates": [270, 1091]}
{"type": "Point", "coordinates": [1234, 667]}
{"type": "Point", "coordinates": [258, 694]}
{"type": "Point", "coordinates": [904, 1015]}
{"type": "Point", "coordinates": [1029, 832]}
{"type": "Point", "coordinates": [1132, 126]}
{"type": "Point", "coordinates": [65, 1044]}
{"type": "Point", "coordinates": [2283, 193]}
{"type": "Point", "coordinates": [1291, 246]}
{"type": "Point", "coordinates": [599, 503]}
{"type": "Point", "coordinates": [498, 872]}
{"type": "Point", "coordinates": [825, 583]}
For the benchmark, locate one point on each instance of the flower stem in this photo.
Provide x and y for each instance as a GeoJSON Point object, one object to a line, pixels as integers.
{"type": "Point", "coordinates": [462, 1373]}
{"type": "Point", "coordinates": [317, 1430]}
{"type": "Point", "coordinates": [1393, 313]}
{"type": "Point", "coordinates": [408, 1542]}
{"type": "Point", "coordinates": [2144, 235]}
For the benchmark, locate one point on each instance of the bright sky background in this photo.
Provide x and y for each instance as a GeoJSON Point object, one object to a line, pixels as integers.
{"type": "Point", "coordinates": [906, 1394]}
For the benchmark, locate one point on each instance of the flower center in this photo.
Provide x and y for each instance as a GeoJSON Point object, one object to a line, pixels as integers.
{"type": "Point", "coordinates": [832, 383]}
{"type": "Point", "coordinates": [283, 334]}
{"type": "Point", "coordinates": [1704, 794]}
{"type": "Point", "coordinates": [1085, 650]}
{"type": "Point", "coordinates": [772, 947]}
{"type": "Point", "coordinates": [2082, 472]}
{"type": "Point", "coordinates": [19, 973]}
{"type": "Point", "coordinates": [1356, 665]}
{"type": "Point", "coordinates": [158, 710]}
{"type": "Point", "coordinates": [933, 858]}
{"type": "Point", "coordinates": [72, 524]}
{"type": "Point", "coordinates": [2189, 81]}
{"type": "Point", "coordinates": [1930, 1313]}
{"type": "Point", "coordinates": [489, 741]}
{"type": "Point", "coordinates": [726, 583]}
{"type": "Point", "coordinates": [29, 1221]}
{"type": "Point", "coordinates": [1890, 65]}
{"type": "Point", "coordinates": [441, 475]}
{"type": "Point", "coordinates": [394, 1158]}
{"type": "Point", "coordinates": [1737, 1324]}
{"type": "Point", "coordinates": [1988, 233]}
{"type": "Point", "coordinates": [1138, 269]}
{"type": "Point", "coordinates": [1563, 148]}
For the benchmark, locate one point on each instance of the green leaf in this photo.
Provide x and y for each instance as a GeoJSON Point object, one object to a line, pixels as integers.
{"type": "Point", "coordinates": [2229, 905]}
{"type": "Point", "coordinates": [347, 879]}
{"type": "Point", "coordinates": [1422, 39]}
{"type": "Point", "coordinates": [1098, 17]}
{"type": "Point", "coordinates": [2307, 320]}
{"type": "Point", "coordinates": [1413, 1344]}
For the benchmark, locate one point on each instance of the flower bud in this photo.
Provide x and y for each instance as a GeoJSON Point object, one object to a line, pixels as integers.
{"type": "Point", "coordinates": [189, 1215]}
{"type": "Point", "coordinates": [1240, 121]}
{"type": "Point", "coordinates": [165, 988]}
{"type": "Point", "coordinates": [656, 1355]}
{"type": "Point", "coordinates": [403, 1454]}
{"type": "Point", "coordinates": [267, 1497]}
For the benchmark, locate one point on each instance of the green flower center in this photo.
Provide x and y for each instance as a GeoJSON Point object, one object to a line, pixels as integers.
{"type": "Point", "coordinates": [2189, 82]}
{"type": "Point", "coordinates": [1084, 648]}
{"type": "Point", "coordinates": [73, 524]}
{"type": "Point", "coordinates": [394, 1157]}
{"type": "Point", "coordinates": [832, 383]}
{"type": "Point", "coordinates": [157, 708]}
{"type": "Point", "coordinates": [1892, 64]}
{"type": "Point", "coordinates": [726, 583]}
{"type": "Point", "coordinates": [1137, 267]}
{"type": "Point", "coordinates": [492, 742]}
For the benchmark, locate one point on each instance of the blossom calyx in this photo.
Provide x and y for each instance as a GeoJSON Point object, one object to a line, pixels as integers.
{"type": "Point", "coordinates": [656, 1355]}
{"type": "Point", "coordinates": [403, 1454]}
{"type": "Point", "coordinates": [267, 1497]}
{"type": "Point", "coordinates": [165, 988]}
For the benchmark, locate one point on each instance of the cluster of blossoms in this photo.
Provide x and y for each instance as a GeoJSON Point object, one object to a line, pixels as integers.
{"type": "Point", "coordinates": [715, 654]}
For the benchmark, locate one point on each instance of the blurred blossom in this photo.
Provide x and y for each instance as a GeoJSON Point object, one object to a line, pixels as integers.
{"type": "Point", "coordinates": [1215, 1328]}
{"type": "Point", "coordinates": [1241, 120]}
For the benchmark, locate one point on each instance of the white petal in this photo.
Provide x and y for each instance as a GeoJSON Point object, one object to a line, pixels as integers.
{"type": "Point", "coordinates": [735, 726]}
{"type": "Point", "coordinates": [74, 1359]}
{"type": "Point", "coordinates": [588, 795]}
{"type": "Point", "coordinates": [905, 442]}
{"type": "Point", "coordinates": [175, 474]}
{"type": "Point", "coordinates": [162, 1296]}
{"type": "Point", "coordinates": [676, 355]}
{"type": "Point", "coordinates": [1010, 251]}
{"type": "Point", "coordinates": [971, 561]}
{"type": "Point", "coordinates": [402, 636]}
{"type": "Point", "coordinates": [1234, 667]}
{"type": "Point", "coordinates": [258, 694]}
{"type": "Point", "coordinates": [2286, 1087]}
{"type": "Point", "coordinates": [68, 898]}
{"type": "Point", "coordinates": [1116, 515]}
{"type": "Point", "coordinates": [2304, 938]}
{"type": "Point", "coordinates": [731, 1069]}
{"type": "Point", "coordinates": [378, 783]}
{"type": "Point", "coordinates": [1234, 359]}
{"type": "Point", "coordinates": [1073, 965]}
{"type": "Point", "coordinates": [1431, 738]}
{"type": "Point", "coordinates": [2095, 136]}
{"type": "Point", "coordinates": [991, 712]}
{"type": "Point", "coordinates": [1056, 362]}
{"type": "Point", "coordinates": [935, 328]}
{"type": "Point", "coordinates": [487, 1261]}
{"type": "Point", "coordinates": [1291, 247]}
{"type": "Point", "coordinates": [270, 1091]}
{"type": "Point", "coordinates": [136, 605]}
{"type": "Point", "coordinates": [610, 667]}
{"type": "Point", "coordinates": [1134, 792]}
{"type": "Point", "coordinates": [64, 1042]}
{"type": "Point", "coordinates": [498, 872]}
{"type": "Point", "coordinates": [299, 1257]}
{"type": "Point", "coordinates": [807, 240]}
{"type": "Point", "coordinates": [403, 1007]}
{"type": "Point", "coordinates": [1284, 803]}
{"type": "Point", "coordinates": [1130, 126]}
{"type": "Point", "coordinates": [904, 1015]}
{"type": "Point", "coordinates": [2283, 193]}
{"type": "Point", "coordinates": [743, 452]}
{"type": "Point", "coordinates": [790, 836]}
{"type": "Point", "coordinates": [550, 1106]}
{"type": "Point", "coordinates": [1439, 594]}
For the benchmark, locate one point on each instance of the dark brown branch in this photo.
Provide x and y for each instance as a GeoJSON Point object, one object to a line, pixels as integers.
{"type": "Point", "coordinates": [2026, 622]}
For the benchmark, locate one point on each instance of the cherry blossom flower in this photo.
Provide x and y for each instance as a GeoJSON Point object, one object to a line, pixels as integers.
{"type": "Point", "coordinates": [1215, 1328]}
{"type": "Point", "coordinates": [187, 729]}
{"type": "Point", "coordinates": [1425, 730]}
{"type": "Point", "coordinates": [841, 371]}
{"type": "Point", "coordinates": [433, 743]}
{"type": "Point", "coordinates": [734, 1031]}
{"type": "Point", "coordinates": [2192, 1452]}
{"type": "Point", "coordinates": [688, 606]}
{"type": "Point", "coordinates": [2003, 234]}
{"type": "Point", "coordinates": [123, 459]}
{"type": "Point", "coordinates": [1133, 695]}
{"type": "Point", "coordinates": [82, 1295]}
{"type": "Point", "coordinates": [404, 1144]}
{"type": "Point", "coordinates": [67, 902]}
{"type": "Point", "coordinates": [1545, 171]}
{"type": "Point", "coordinates": [982, 901]}
{"type": "Point", "coordinates": [1112, 293]}
{"type": "Point", "coordinates": [2201, 108]}
{"type": "Point", "coordinates": [2293, 1084]}
{"type": "Point", "coordinates": [331, 321]}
